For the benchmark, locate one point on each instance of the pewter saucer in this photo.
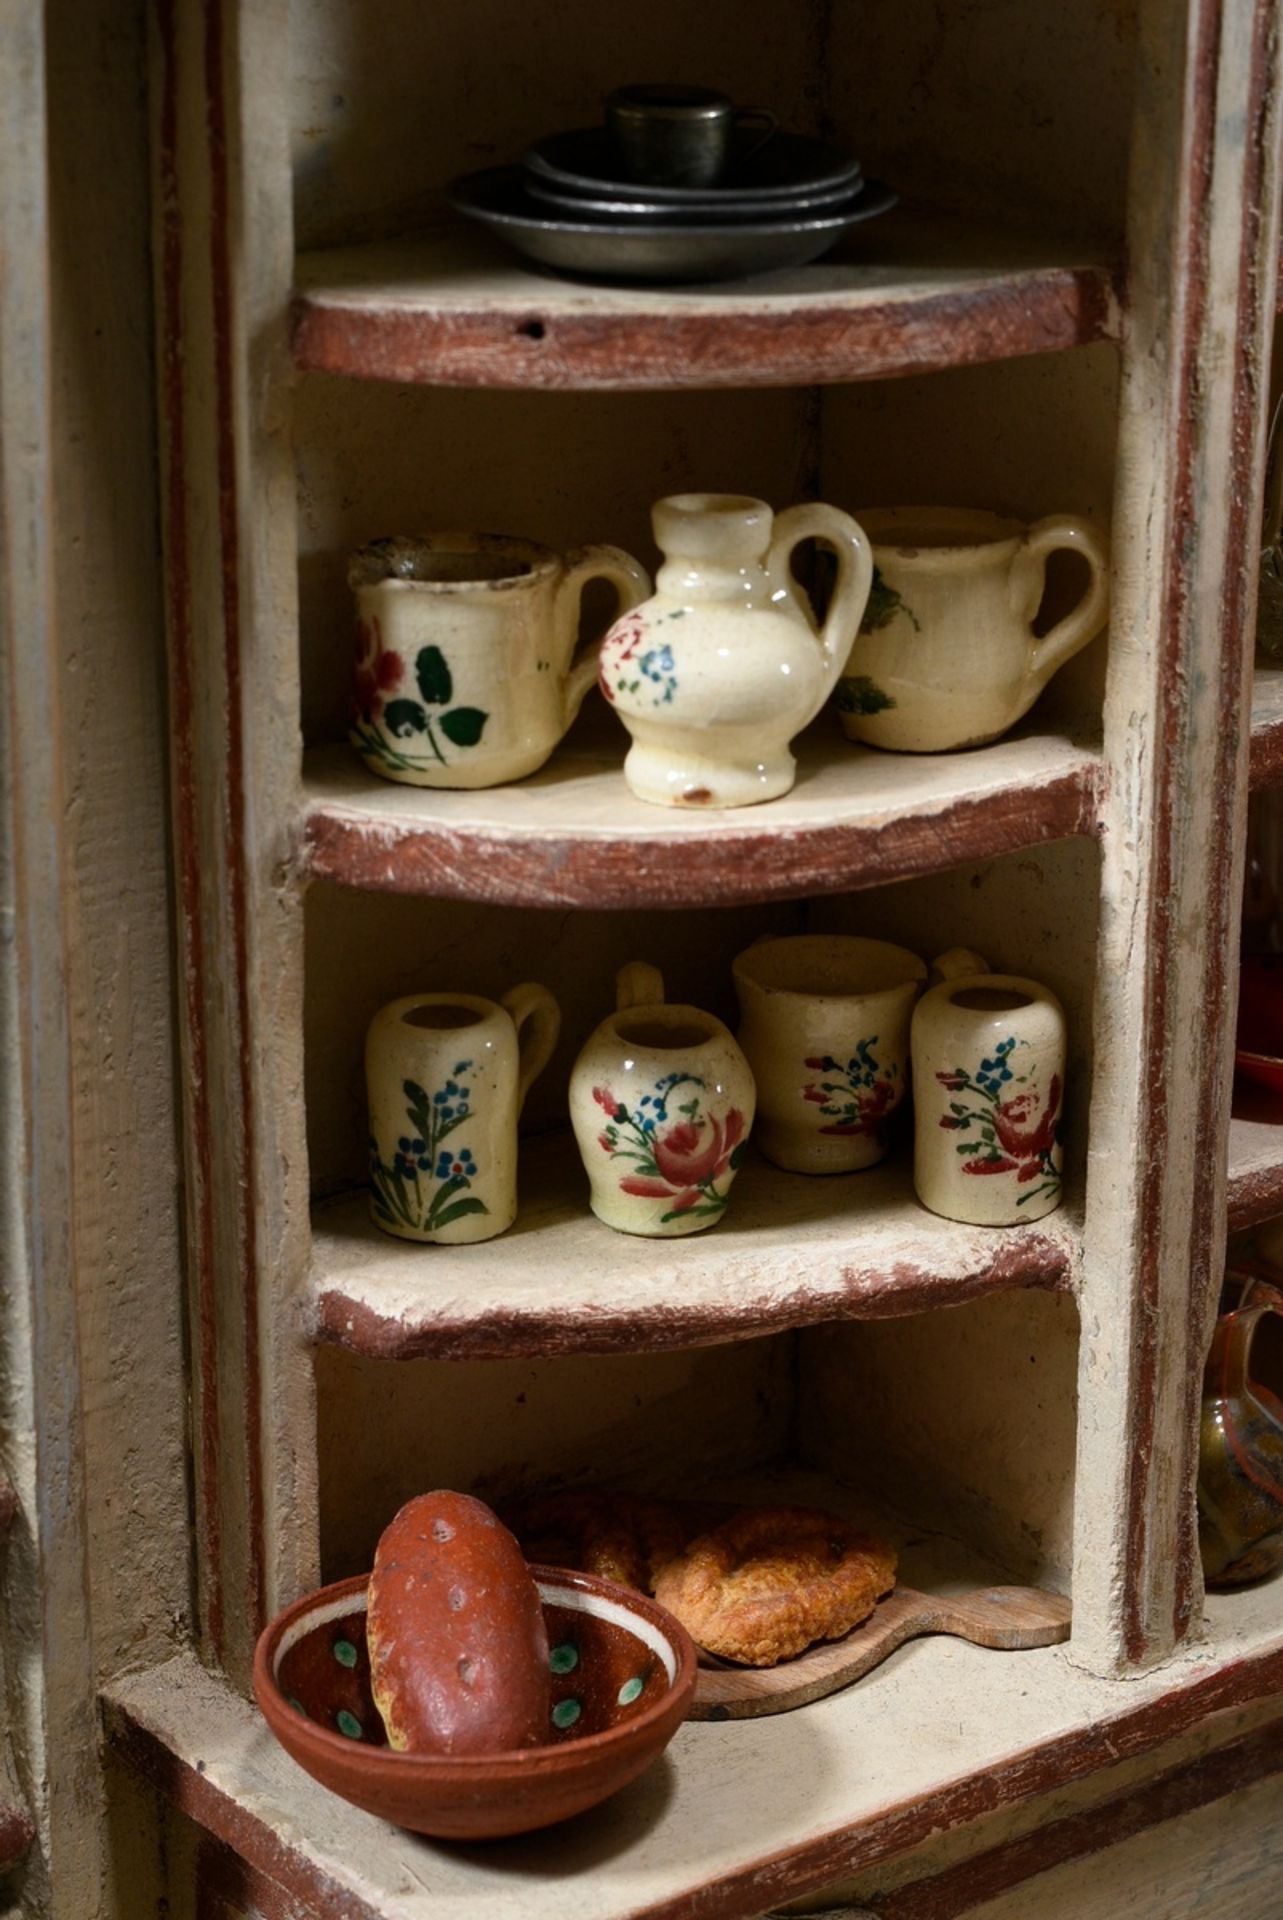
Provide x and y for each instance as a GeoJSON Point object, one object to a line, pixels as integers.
{"type": "Point", "coordinates": [634, 250]}
{"type": "Point", "coordinates": [583, 162]}
{"type": "Point", "coordinates": [706, 209]}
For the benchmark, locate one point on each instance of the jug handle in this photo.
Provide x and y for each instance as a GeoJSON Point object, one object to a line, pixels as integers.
{"type": "Point", "coordinates": [1228, 1360]}
{"type": "Point", "coordinates": [632, 585]}
{"type": "Point", "coordinates": [537, 1018]}
{"type": "Point", "coordinates": [638, 985]}
{"type": "Point", "coordinates": [956, 963]}
{"type": "Point", "coordinates": [815, 521]}
{"type": "Point", "coordinates": [1029, 578]}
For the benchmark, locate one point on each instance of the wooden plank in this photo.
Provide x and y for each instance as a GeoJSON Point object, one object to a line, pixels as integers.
{"type": "Point", "coordinates": [791, 1252]}
{"type": "Point", "coordinates": [1201, 300]}
{"type": "Point", "coordinates": [573, 835]}
{"type": "Point", "coordinates": [738, 1817]}
{"type": "Point", "coordinates": [1255, 1164]}
{"type": "Point", "coordinates": [914, 292]}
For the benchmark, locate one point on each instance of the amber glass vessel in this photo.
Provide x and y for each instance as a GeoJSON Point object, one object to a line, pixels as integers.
{"type": "Point", "coordinates": [1240, 1478]}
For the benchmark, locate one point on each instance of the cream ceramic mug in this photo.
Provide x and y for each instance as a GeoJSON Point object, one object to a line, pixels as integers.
{"type": "Point", "coordinates": [467, 668]}
{"type": "Point", "coordinates": [447, 1075]}
{"type": "Point", "coordinates": [988, 1082]}
{"type": "Point", "coordinates": [826, 1030]}
{"type": "Point", "coordinates": [661, 1100]}
{"type": "Point", "coordinates": [946, 655]}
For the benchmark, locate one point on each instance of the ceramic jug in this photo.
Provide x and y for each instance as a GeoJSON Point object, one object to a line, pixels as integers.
{"type": "Point", "coordinates": [825, 1026]}
{"type": "Point", "coordinates": [467, 670]}
{"type": "Point", "coordinates": [1240, 1455]}
{"type": "Point", "coordinates": [447, 1075]}
{"type": "Point", "coordinates": [715, 674]}
{"type": "Point", "coordinates": [988, 1053]}
{"type": "Point", "coordinates": [661, 1100]}
{"type": "Point", "coordinates": [946, 655]}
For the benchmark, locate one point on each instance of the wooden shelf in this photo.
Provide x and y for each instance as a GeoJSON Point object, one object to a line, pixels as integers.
{"type": "Point", "coordinates": [573, 835]}
{"type": "Point", "coordinates": [1256, 1159]}
{"type": "Point", "coordinates": [737, 1817]}
{"type": "Point", "coordinates": [791, 1251]}
{"type": "Point", "coordinates": [1267, 725]}
{"type": "Point", "coordinates": [911, 292]}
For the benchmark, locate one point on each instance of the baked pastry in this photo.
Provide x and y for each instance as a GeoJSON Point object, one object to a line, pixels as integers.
{"type": "Point", "coordinates": [617, 1536]}
{"type": "Point", "coordinates": [769, 1581]}
{"type": "Point", "coordinates": [458, 1647]}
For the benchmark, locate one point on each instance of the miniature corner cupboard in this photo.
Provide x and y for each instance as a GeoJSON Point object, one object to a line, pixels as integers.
{"type": "Point", "coordinates": [240, 338]}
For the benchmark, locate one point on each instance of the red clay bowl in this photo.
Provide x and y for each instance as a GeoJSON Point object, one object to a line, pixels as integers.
{"type": "Point", "coordinates": [623, 1672]}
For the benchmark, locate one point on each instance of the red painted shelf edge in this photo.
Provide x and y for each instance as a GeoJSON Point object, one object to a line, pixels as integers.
{"type": "Point", "coordinates": [1254, 1197]}
{"type": "Point", "coordinates": [755, 863]}
{"type": "Point", "coordinates": [890, 1831]}
{"type": "Point", "coordinates": [509, 1334]}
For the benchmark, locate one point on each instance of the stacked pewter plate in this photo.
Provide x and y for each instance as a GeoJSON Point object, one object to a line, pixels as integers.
{"type": "Point", "coordinates": [678, 185]}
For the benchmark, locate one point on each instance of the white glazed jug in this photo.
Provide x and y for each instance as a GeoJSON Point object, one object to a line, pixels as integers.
{"type": "Point", "coordinates": [468, 671]}
{"type": "Point", "coordinates": [715, 674]}
{"type": "Point", "coordinates": [946, 655]}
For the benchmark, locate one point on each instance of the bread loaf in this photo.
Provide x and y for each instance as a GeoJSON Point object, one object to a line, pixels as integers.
{"type": "Point", "coordinates": [458, 1647]}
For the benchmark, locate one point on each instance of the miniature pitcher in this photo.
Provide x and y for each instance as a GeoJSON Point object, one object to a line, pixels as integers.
{"type": "Point", "coordinates": [467, 673]}
{"type": "Point", "coordinates": [716, 673]}
{"type": "Point", "coordinates": [1240, 1453]}
{"type": "Point", "coordinates": [447, 1075]}
{"type": "Point", "coordinates": [946, 655]}
{"type": "Point", "coordinates": [661, 1100]}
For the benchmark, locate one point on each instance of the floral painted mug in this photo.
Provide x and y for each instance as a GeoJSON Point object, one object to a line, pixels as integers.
{"type": "Point", "coordinates": [661, 1100]}
{"type": "Point", "coordinates": [467, 671]}
{"type": "Point", "coordinates": [988, 1079]}
{"type": "Point", "coordinates": [825, 1027]}
{"type": "Point", "coordinates": [447, 1075]}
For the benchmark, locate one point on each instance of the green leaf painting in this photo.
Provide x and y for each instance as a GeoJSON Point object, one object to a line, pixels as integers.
{"type": "Point", "coordinates": [464, 725]}
{"type": "Point", "coordinates": [856, 693]}
{"type": "Point", "coordinates": [883, 606]}
{"type": "Point", "coordinates": [433, 676]}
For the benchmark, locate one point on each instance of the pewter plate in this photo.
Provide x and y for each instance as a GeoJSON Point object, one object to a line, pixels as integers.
{"type": "Point", "coordinates": [707, 209]}
{"type": "Point", "coordinates": [583, 161]}
{"type": "Point", "coordinates": [605, 250]}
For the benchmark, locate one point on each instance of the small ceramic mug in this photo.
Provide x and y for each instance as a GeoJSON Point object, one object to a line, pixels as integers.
{"type": "Point", "coordinates": [447, 1075]}
{"type": "Point", "coordinates": [988, 1080]}
{"type": "Point", "coordinates": [825, 1027]}
{"type": "Point", "coordinates": [467, 669]}
{"type": "Point", "coordinates": [661, 1100]}
{"type": "Point", "coordinates": [946, 655]}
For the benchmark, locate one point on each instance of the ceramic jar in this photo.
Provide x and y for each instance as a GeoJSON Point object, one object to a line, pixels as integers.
{"type": "Point", "coordinates": [447, 1075]}
{"type": "Point", "coordinates": [946, 655]}
{"type": "Point", "coordinates": [988, 1077]}
{"type": "Point", "coordinates": [825, 1027]}
{"type": "Point", "coordinates": [467, 671]}
{"type": "Point", "coordinates": [661, 1100]}
{"type": "Point", "coordinates": [1240, 1455]}
{"type": "Point", "coordinates": [715, 674]}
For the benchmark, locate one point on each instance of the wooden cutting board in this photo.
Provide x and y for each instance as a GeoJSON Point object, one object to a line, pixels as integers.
{"type": "Point", "coordinates": [1012, 1618]}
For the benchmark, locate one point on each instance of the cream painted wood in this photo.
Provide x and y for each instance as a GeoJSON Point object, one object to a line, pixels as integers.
{"type": "Point", "coordinates": [728, 1801]}
{"type": "Point", "coordinates": [788, 1246]}
{"type": "Point", "coordinates": [1172, 863]}
{"type": "Point", "coordinates": [224, 266]}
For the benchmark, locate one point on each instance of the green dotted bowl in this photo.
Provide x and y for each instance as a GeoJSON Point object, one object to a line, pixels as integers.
{"type": "Point", "coordinates": [623, 1672]}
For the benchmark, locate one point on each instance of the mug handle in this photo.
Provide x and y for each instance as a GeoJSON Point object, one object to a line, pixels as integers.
{"type": "Point", "coordinates": [1228, 1362]}
{"type": "Point", "coordinates": [638, 985]}
{"type": "Point", "coordinates": [767, 124]}
{"type": "Point", "coordinates": [1055, 534]}
{"type": "Point", "coordinates": [956, 963]}
{"type": "Point", "coordinates": [631, 583]}
{"type": "Point", "coordinates": [537, 1018]}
